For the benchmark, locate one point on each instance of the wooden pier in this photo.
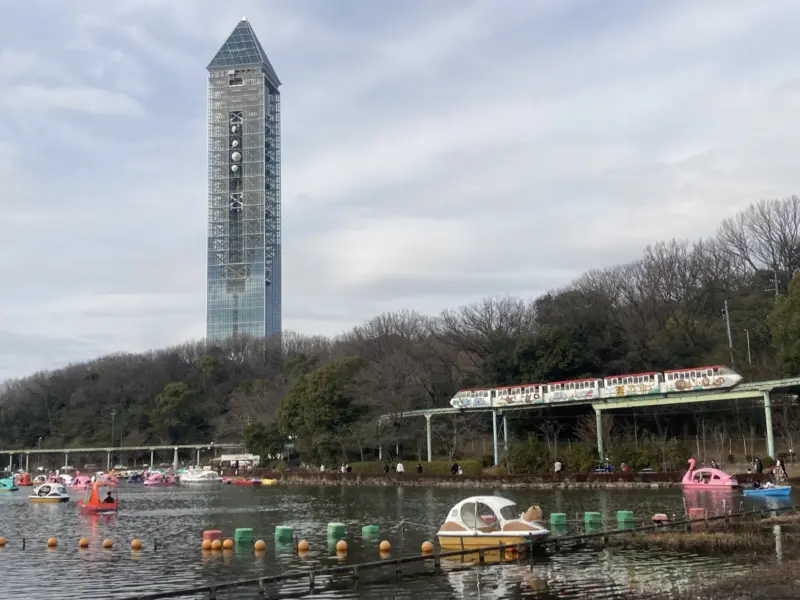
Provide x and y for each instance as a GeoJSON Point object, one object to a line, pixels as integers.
{"type": "Point", "coordinates": [552, 544]}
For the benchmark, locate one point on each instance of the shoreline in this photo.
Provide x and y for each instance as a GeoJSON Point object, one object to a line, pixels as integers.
{"type": "Point", "coordinates": [548, 481]}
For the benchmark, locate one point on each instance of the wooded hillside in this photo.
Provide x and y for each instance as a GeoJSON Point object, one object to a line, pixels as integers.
{"type": "Point", "coordinates": [662, 311]}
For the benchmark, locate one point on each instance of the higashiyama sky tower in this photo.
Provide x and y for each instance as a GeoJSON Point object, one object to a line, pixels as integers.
{"type": "Point", "coordinates": [244, 191]}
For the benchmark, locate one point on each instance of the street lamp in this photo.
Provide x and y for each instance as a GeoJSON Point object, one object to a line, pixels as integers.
{"type": "Point", "coordinates": [113, 415]}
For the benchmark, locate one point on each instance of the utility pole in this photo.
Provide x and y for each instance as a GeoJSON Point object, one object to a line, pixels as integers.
{"type": "Point", "coordinates": [113, 414]}
{"type": "Point", "coordinates": [749, 357]}
{"type": "Point", "coordinates": [774, 287]}
{"type": "Point", "coordinates": [728, 327]}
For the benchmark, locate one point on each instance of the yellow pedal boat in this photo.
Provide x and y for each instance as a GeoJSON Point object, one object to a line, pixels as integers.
{"type": "Point", "coordinates": [485, 521]}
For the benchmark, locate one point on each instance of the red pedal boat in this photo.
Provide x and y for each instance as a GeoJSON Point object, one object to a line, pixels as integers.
{"type": "Point", "coordinates": [100, 498]}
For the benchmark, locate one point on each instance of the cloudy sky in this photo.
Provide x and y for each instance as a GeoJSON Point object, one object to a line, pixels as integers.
{"type": "Point", "coordinates": [434, 152]}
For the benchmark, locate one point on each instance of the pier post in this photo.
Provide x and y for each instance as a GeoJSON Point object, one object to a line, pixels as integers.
{"type": "Point", "coordinates": [198, 457]}
{"type": "Point", "coordinates": [494, 437]}
{"type": "Point", "coordinates": [175, 459]}
{"type": "Point", "coordinates": [10, 462]}
{"type": "Point", "coordinates": [66, 459]}
{"type": "Point", "coordinates": [768, 418]}
{"type": "Point", "coordinates": [108, 461]}
{"type": "Point", "coordinates": [27, 462]}
{"type": "Point", "coordinates": [151, 459]}
{"type": "Point", "coordinates": [598, 415]}
{"type": "Point", "coordinates": [428, 432]}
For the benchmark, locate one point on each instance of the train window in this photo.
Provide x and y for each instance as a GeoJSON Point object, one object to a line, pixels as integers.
{"type": "Point", "coordinates": [493, 393]}
{"type": "Point", "coordinates": [709, 373]}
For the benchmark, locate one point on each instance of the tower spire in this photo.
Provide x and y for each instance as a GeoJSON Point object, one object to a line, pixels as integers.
{"type": "Point", "coordinates": [242, 49]}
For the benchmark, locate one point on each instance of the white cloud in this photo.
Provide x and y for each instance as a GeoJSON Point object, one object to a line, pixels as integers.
{"type": "Point", "coordinates": [32, 97]}
{"type": "Point", "coordinates": [434, 153]}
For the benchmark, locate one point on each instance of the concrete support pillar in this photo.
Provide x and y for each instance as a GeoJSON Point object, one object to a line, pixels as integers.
{"type": "Point", "coordinates": [175, 460]}
{"type": "Point", "coordinates": [198, 457]}
{"type": "Point", "coordinates": [768, 419]}
{"type": "Point", "coordinates": [494, 437]}
{"type": "Point", "coordinates": [428, 433]}
{"type": "Point", "coordinates": [108, 461]}
{"type": "Point", "coordinates": [66, 458]}
{"type": "Point", "coordinates": [28, 462]}
{"type": "Point", "coordinates": [599, 424]}
{"type": "Point", "coordinates": [505, 433]}
{"type": "Point", "coordinates": [10, 462]}
{"type": "Point", "coordinates": [152, 458]}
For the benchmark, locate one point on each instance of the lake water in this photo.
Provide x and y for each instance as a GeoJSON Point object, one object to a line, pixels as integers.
{"type": "Point", "coordinates": [174, 518]}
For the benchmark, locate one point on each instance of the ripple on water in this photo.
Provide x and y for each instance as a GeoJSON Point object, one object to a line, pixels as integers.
{"type": "Point", "coordinates": [175, 519]}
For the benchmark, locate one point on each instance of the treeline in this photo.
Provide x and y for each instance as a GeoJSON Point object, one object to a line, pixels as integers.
{"type": "Point", "coordinates": [665, 310]}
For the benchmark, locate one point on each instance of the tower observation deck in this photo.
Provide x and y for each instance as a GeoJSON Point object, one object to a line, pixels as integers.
{"type": "Point", "coordinates": [244, 191]}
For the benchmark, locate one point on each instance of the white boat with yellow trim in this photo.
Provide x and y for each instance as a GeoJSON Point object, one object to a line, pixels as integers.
{"type": "Point", "coordinates": [49, 493]}
{"type": "Point", "coordinates": [485, 521]}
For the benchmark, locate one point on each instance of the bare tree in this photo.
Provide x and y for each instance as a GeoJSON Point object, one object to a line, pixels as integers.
{"type": "Point", "coordinates": [765, 236]}
{"type": "Point", "coordinates": [586, 430]}
{"type": "Point", "coordinates": [551, 431]}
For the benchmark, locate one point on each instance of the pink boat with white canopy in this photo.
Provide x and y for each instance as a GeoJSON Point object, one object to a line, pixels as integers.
{"type": "Point", "coordinates": [706, 477]}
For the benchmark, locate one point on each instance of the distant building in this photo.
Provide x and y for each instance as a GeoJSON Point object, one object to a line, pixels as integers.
{"type": "Point", "coordinates": [244, 191]}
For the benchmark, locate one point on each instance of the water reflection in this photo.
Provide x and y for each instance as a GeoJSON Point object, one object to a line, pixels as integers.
{"type": "Point", "coordinates": [718, 501]}
{"type": "Point", "coordinates": [175, 519]}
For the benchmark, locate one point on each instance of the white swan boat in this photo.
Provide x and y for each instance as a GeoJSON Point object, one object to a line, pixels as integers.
{"type": "Point", "coordinates": [49, 493]}
{"type": "Point", "coordinates": [199, 476]}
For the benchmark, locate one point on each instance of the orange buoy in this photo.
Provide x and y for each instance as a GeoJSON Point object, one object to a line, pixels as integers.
{"type": "Point", "coordinates": [427, 547]}
{"type": "Point", "coordinates": [385, 546]}
{"type": "Point", "coordinates": [341, 546]}
{"type": "Point", "coordinates": [2, 541]}
{"type": "Point", "coordinates": [227, 544]}
{"type": "Point", "coordinates": [259, 546]}
{"type": "Point", "coordinates": [216, 545]}
{"type": "Point", "coordinates": [83, 543]}
{"type": "Point", "coordinates": [51, 542]}
{"type": "Point", "coordinates": [302, 546]}
{"type": "Point", "coordinates": [386, 555]}
{"type": "Point", "coordinates": [206, 544]}
{"type": "Point", "coordinates": [107, 543]}
{"type": "Point", "coordinates": [136, 544]}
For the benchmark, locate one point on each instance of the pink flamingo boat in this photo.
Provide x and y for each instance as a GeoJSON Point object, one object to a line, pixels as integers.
{"type": "Point", "coordinates": [81, 482]}
{"type": "Point", "coordinates": [706, 477]}
{"type": "Point", "coordinates": [159, 479]}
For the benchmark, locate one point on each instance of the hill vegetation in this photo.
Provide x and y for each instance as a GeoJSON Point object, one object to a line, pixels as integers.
{"type": "Point", "coordinates": [662, 311]}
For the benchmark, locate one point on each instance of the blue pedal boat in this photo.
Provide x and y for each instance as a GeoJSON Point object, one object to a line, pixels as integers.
{"type": "Point", "coordinates": [778, 490]}
{"type": "Point", "coordinates": [8, 485]}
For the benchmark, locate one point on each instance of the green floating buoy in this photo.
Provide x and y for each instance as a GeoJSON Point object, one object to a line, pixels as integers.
{"type": "Point", "coordinates": [336, 531]}
{"type": "Point", "coordinates": [558, 518]}
{"type": "Point", "coordinates": [243, 536]}
{"type": "Point", "coordinates": [284, 534]}
{"type": "Point", "coordinates": [594, 518]}
{"type": "Point", "coordinates": [370, 531]}
{"type": "Point", "coordinates": [624, 516]}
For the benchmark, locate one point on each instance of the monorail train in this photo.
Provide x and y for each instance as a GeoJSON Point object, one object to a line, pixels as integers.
{"type": "Point", "coordinates": [694, 379]}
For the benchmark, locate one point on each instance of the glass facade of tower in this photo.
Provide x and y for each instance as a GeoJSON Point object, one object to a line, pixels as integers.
{"type": "Point", "coordinates": [244, 192]}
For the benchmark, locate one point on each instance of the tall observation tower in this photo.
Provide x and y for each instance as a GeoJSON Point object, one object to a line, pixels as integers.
{"type": "Point", "coordinates": [244, 191]}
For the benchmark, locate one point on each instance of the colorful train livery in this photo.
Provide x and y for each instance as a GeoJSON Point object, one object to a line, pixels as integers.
{"type": "Point", "coordinates": [693, 379]}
